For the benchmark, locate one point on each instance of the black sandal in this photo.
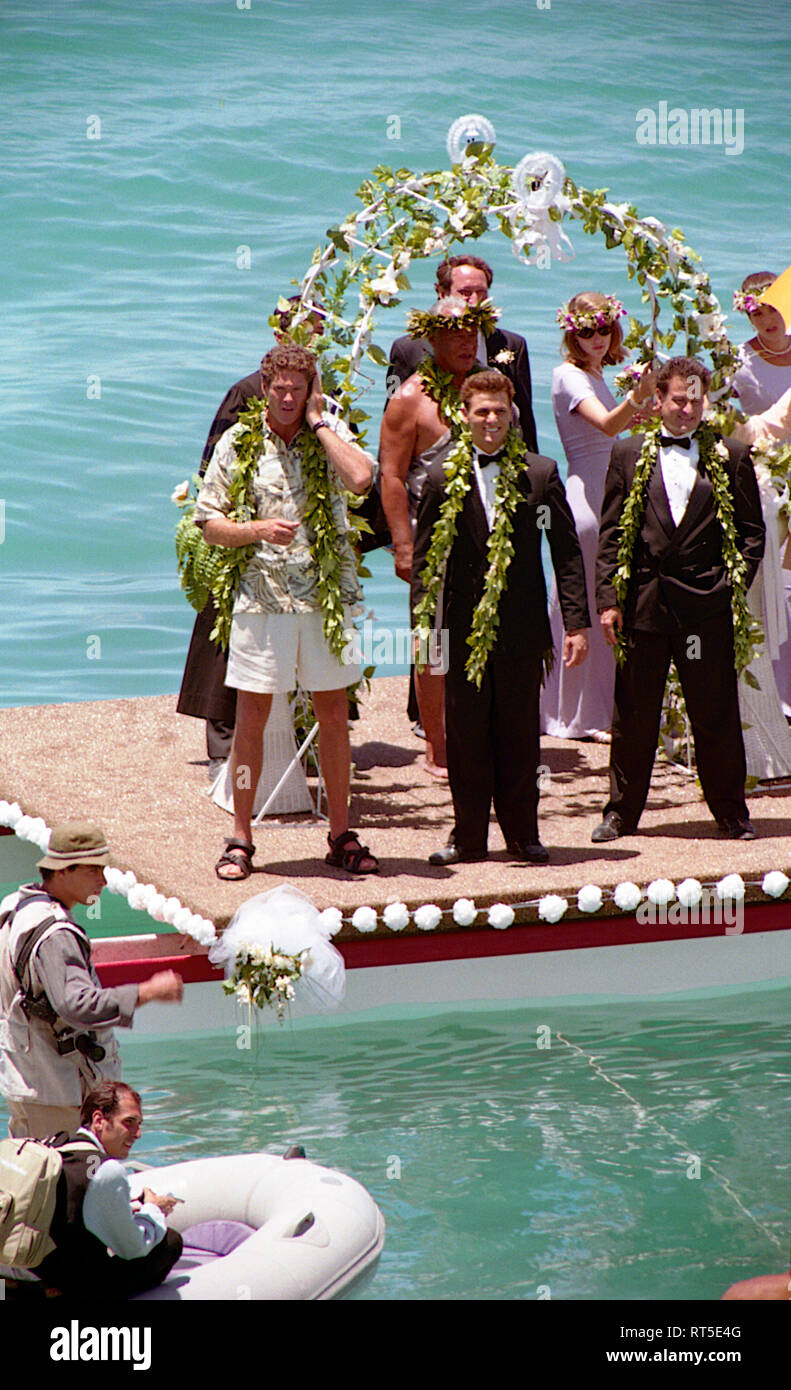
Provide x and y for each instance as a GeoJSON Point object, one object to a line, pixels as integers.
{"type": "Point", "coordinates": [347, 853]}
{"type": "Point", "coordinates": [240, 854]}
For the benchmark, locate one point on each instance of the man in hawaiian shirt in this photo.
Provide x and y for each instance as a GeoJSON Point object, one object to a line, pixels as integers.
{"type": "Point", "coordinates": [277, 632]}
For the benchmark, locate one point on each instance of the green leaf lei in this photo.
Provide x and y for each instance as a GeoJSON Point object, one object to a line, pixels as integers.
{"type": "Point", "coordinates": [499, 551]}
{"type": "Point", "coordinates": [423, 324]}
{"type": "Point", "coordinates": [438, 384]}
{"type": "Point", "coordinates": [712, 455]}
{"type": "Point", "coordinates": [320, 523]}
{"type": "Point", "coordinates": [216, 570]}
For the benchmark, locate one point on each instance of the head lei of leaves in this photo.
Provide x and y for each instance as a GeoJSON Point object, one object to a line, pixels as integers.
{"type": "Point", "coordinates": [425, 323]}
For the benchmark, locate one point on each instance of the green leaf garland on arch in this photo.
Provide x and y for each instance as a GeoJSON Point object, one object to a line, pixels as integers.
{"type": "Point", "coordinates": [406, 216]}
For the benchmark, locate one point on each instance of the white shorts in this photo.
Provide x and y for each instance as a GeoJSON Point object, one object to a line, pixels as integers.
{"type": "Point", "coordinates": [270, 652]}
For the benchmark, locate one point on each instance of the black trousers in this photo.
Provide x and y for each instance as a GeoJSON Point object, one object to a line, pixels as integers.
{"type": "Point", "coordinates": [101, 1275]}
{"type": "Point", "coordinates": [493, 746]}
{"type": "Point", "coordinates": [705, 664]}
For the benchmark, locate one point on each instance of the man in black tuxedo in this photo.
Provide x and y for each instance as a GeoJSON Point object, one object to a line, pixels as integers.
{"type": "Point", "coordinates": [493, 732]}
{"type": "Point", "coordinates": [678, 605]}
{"type": "Point", "coordinates": [471, 278]}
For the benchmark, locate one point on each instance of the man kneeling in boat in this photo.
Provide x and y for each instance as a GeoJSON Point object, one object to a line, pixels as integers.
{"type": "Point", "coordinates": [480, 520]}
{"type": "Point", "coordinates": [297, 588]}
{"type": "Point", "coordinates": [94, 1213]}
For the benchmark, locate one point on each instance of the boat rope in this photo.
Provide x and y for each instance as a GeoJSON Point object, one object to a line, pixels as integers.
{"type": "Point", "coordinates": [643, 1114]}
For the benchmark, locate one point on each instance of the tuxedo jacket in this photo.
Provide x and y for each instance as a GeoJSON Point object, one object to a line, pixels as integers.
{"type": "Point", "coordinates": [407, 353]}
{"type": "Point", "coordinates": [524, 624]}
{"type": "Point", "coordinates": [678, 574]}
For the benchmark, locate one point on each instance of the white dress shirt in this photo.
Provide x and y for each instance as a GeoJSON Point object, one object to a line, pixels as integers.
{"type": "Point", "coordinates": [107, 1210]}
{"type": "Point", "coordinates": [679, 474]}
{"type": "Point", "coordinates": [486, 478]}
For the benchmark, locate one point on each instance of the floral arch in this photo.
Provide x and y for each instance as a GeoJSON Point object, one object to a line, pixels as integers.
{"type": "Point", "coordinates": [407, 216]}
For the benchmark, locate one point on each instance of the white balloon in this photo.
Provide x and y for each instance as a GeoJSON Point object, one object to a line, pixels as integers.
{"type": "Point", "coordinates": [468, 130]}
{"type": "Point", "coordinates": [549, 170]}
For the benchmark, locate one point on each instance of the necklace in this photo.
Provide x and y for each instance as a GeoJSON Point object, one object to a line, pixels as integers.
{"type": "Point", "coordinates": [482, 636]}
{"type": "Point", "coordinates": [769, 352]}
{"type": "Point", "coordinates": [713, 456]}
{"type": "Point", "coordinates": [217, 570]}
{"type": "Point", "coordinates": [439, 385]}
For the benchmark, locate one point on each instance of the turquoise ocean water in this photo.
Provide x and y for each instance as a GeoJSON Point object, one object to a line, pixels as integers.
{"type": "Point", "coordinates": [213, 128]}
{"type": "Point", "coordinates": [144, 144]}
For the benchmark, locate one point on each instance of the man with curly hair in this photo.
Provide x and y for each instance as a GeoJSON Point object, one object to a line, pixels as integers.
{"type": "Point", "coordinates": [204, 694]}
{"type": "Point", "coordinates": [277, 633]}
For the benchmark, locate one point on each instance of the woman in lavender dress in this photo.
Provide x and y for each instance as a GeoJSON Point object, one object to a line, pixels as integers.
{"type": "Point", "coordinates": [762, 378]}
{"type": "Point", "coordinates": [577, 703]}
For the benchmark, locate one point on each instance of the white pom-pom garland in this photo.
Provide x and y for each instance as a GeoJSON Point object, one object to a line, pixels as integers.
{"type": "Point", "coordinates": [428, 917]}
{"type": "Point", "coordinates": [731, 887]}
{"type": "Point", "coordinates": [775, 883]}
{"type": "Point", "coordinates": [689, 892]}
{"type": "Point", "coordinates": [589, 898]}
{"type": "Point", "coordinates": [464, 912]}
{"type": "Point", "coordinates": [551, 908]}
{"type": "Point", "coordinates": [396, 916]}
{"type": "Point", "coordinates": [501, 916]}
{"type": "Point", "coordinates": [660, 892]}
{"type": "Point", "coordinates": [627, 896]}
{"type": "Point", "coordinates": [142, 897]}
{"type": "Point", "coordinates": [364, 919]}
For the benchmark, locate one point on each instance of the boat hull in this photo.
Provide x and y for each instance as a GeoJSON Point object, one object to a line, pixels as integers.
{"type": "Point", "coordinates": [315, 1230]}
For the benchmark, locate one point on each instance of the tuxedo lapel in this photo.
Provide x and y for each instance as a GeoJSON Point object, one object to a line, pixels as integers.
{"type": "Point", "coordinates": [474, 514]}
{"type": "Point", "coordinates": [495, 343]}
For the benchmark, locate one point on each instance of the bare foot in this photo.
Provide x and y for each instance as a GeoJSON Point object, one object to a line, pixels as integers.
{"type": "Point", "coordinates": [433, 770]}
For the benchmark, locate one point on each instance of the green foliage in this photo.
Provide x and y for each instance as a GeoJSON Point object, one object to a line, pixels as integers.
{"type": "Point", "coordinates": [747, 634]}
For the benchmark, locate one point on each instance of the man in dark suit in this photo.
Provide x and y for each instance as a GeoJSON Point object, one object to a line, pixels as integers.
{"type": "Point", "coordinates": [471, 278]}
{"type": "Point", "coordinates": [203, 693]}
{"type": "Point", "coordinates": [493, 732]}
{"type": "Point", "coordinates": [677, 605]}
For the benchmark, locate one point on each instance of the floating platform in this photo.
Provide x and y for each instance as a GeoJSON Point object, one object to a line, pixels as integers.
{"type": "Point", "coordinates": [141, 771]}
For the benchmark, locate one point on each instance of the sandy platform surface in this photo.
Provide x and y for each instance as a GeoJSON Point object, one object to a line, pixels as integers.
{"type": "Point", "coordinates": [140, 770]}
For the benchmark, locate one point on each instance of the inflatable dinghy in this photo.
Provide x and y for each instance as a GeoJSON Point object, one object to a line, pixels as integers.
{"type": "Point", "coordinates": [259, 1226]}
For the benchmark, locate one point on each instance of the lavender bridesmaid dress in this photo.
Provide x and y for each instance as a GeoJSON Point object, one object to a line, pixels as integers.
{"type": "Point", "coordinates": [578, 703]}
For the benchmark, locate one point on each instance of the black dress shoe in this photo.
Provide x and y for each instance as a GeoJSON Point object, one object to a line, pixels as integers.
{"type": "Point", "coordinates": [611, 828]}
{"type": "Point", "coordinates": [528, 854]}
{"type": "Point", "coordinates": [451, 854]}
{"type": "Point", "coordinates": [736, 829]}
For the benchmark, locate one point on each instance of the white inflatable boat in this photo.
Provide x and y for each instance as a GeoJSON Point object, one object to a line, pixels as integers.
{"type": "Point", "coordinates": [258, 1226]}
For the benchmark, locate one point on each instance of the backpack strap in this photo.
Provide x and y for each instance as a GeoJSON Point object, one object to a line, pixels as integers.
{"type": "Point", "coordinates": [40, 1005]}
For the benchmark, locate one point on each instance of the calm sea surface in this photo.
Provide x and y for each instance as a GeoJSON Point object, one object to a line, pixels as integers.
{"type": "Point", "coordinates": [637, 1151]}
{"type": "Point", "coordinates": [126, 318]}
{"type": "Point", "coordinates": [144, 144]}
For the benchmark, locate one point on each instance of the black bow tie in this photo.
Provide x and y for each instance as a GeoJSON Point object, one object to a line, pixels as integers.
{"type": "Point", "coordinates": [670, 441]}
{"type": "Point", "coordinates": [485, 459]}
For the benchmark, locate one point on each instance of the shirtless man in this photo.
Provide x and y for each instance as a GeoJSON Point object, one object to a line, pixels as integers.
{"type": "Point", "coordinates": [414, 434]}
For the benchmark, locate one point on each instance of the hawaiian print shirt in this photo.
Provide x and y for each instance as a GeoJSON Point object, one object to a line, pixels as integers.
{"type": "Point", "coordinates": [280, 579]}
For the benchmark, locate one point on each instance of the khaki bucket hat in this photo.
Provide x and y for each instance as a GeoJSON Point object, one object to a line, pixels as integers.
{"type": "Point", "coordinates": [76, 842]}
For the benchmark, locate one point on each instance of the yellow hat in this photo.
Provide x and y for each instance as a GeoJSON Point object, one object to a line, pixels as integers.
{"type": "Point", "coordinates": [778, 295]}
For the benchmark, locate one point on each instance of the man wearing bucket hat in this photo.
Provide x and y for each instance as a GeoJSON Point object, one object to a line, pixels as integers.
{"type": "Point", "coordinates": [56, 1021]}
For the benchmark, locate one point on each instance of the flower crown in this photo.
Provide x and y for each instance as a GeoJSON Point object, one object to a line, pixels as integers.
{"type": "Point", "coordinates": [747, 302]}
{"type": "Point", "coordinates": [573, 320]}
{"type": "Point", "coordinates": [424, 324]}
